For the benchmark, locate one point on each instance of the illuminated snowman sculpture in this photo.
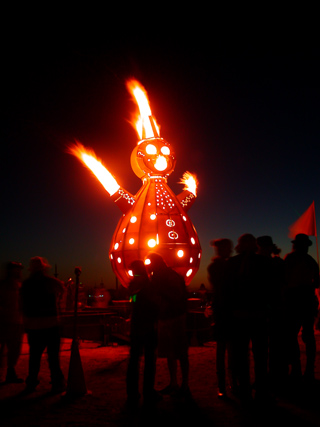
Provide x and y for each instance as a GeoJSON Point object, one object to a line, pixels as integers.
{"type": "Point", "coordinates": [155, 219]}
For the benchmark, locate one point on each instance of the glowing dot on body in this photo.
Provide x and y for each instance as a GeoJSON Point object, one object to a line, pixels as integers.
{"type": "Point", "coordinates": [131, 241]}
{"type": "Point", "coordinates": [153, 216]}
{"type": "Point", "coordinates": [193, 241]}
{"type": "Point", "coordinates": [133, 219]}
{"type": "Point", "coordinates": [116, 246]}
{"type": "Point", "coordinates": [119, 260]}
{"type": "Point", "coordinates": [189, 272]}
{"type": "Point", "coordinates": [152, 243]}
{"type": "Point", "coordinates": [180, 253]}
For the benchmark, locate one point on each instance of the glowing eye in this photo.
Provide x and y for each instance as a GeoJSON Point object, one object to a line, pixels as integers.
{"type": "Point", "coordinates": [165, 150]}
{"type": "Point", "coordinates": [152, 243]}
{"type": "Point", "coordinates": [151, 149]}
{"type": "Point", "coordinates": [116, 246]}
{"type": "Point", "coordinates": [180, 253]}
{"type": "Point", "coordinates": [147, 262]}
{"type": "Point", "coordinates": [189, 272]}
{"type": "Point", "coordinates": [119, 260]}
{"type": "Point", "coordinates": [130, 273]}
{"type": "Point", "coordinates": [131, 241]}
{"type": "Point", "coordinates": [193, 241]}
{"type": "Point", "coordinates": [153, 216]}
{"type": "Point", "coordinates": [133, 219]}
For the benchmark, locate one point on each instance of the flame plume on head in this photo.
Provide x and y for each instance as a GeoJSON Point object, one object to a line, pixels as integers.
{"type": "Point", "coordinates": [145, 123]}
{"type": "Point", "coordinates": [190, 182]}
{"type": "Point", "coordinates": [88, 158]}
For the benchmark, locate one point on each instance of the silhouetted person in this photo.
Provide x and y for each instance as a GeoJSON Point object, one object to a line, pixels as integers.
{"type": "Point", "coordinates": [247, 275]}
{"type": "Point", "coordinates": [172, 334]}
{"type": "Point", "coordinates": [302, 278]}
{"type": "Point", "coordinates": [203, 294]}
{"type": "Point", "coordinates": [40, 295]}
{"type": "Point", "coordinates": [143, 335]}
{"type": "Point", "coordinates": [11, 328]}
{"type": "Point", "coordinates": [276, 316]}
{"type": "Point", "coordinates": [222, 312]}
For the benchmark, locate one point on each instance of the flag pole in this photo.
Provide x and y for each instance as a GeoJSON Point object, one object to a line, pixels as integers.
{"type": "Point", "coordinates": [316, 234]}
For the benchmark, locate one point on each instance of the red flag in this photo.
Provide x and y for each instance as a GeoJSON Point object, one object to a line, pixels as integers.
{"type": "Point", "coordinates": [306, 224]}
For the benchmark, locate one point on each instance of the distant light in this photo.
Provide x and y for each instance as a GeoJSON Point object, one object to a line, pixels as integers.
{"type": "Point", "coordinates": [133, 219]}
{"type": "Point", "coordinates": [131, 241]}
{"type": "Point", "coordinates": [189, 272]}
{"type": "Point", "coordinates": [152, 243]}
{"type": "Point", "coordinates": [180, 253]}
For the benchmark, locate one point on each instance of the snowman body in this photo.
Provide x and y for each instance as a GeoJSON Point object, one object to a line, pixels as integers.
{"type": "Point", "coordinates": [155, 219]}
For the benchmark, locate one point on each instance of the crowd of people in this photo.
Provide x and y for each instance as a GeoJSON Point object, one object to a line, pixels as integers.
{"type": "Point", "coordinates": [257, 299]}
{"type": "Point", "coordinates": [264, 300]}
{"type": "Point", "coordinates": [31, 306]}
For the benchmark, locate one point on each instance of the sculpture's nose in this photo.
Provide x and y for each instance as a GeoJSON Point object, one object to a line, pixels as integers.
{"type": "Point", "coordinates": [161, 163]}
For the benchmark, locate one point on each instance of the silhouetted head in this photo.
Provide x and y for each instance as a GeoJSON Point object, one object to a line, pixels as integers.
{"type": "Point", "coordinates": [38, 264]}
{"type": "Point", "coordinates": [13, 270]}
{"type": "Point", "coordinates": [266, 246]}
{"type": "Point", "coordinates": [138, 268]}
{"type": "Point", "coordinates": [155, 262]}
{"type": "Point", "coordinates": [246, 243]}
{"type": "Point", "coordinates": [301, 243]}
{"type": "Point", "coordinates": [223, 247]}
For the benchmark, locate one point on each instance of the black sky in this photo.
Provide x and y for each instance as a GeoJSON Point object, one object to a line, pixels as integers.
{"type": "Point", "coordinates": [241, 110]}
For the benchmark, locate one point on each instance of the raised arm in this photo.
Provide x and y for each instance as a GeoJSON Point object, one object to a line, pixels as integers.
{"type": "Point", "coordinates": [121, 197]}
{"type": "Point", "coordinates": [189, 193]}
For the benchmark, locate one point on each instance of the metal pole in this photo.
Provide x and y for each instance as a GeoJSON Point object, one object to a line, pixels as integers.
{"type": "Point", "coordinates": [77, 272]}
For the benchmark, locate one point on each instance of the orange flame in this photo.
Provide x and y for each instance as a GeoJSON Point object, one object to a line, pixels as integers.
{"type": "Point", "coordinates": [88, 157]}
{"type": "Point", "coordinates": [145, 123]}
{"type": "Point", "coordinates": [190, 182]}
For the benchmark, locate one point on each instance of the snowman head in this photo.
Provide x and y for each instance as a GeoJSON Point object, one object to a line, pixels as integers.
{"type": "Point", "coordinates": [153, 157]}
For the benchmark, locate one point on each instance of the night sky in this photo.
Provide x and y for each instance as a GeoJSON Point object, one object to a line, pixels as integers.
{"type": "Point", "coordinates": [241, 113]}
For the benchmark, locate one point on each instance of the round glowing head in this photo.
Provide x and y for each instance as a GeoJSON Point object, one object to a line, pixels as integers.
{"type": "Point", "coordinates": [153, 156]}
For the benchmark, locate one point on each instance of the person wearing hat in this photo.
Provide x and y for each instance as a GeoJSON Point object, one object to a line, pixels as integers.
{"type": "Point", "coordinates": [172, 334]}
{"type": "Point", "coordinates": [40, 295]}
{"type": "Point", "coordinates": [276, 318]}
{"type": "Point", "coordinates": [301, 304]}
{"type": "Point", "coordinates": [247, 277]}
{"type": "Point", "coordinates": [222, 314]}
{"type": "Point", "coordinates": [11, 319]}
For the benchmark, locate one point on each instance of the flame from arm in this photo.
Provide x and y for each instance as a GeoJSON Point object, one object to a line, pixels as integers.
{"type": "Point", "coordinates": [190, 182]}
{"type": "Point", "coordinates": [88, 158]}
{"type": "Point", "coordinates": [145, 124]}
